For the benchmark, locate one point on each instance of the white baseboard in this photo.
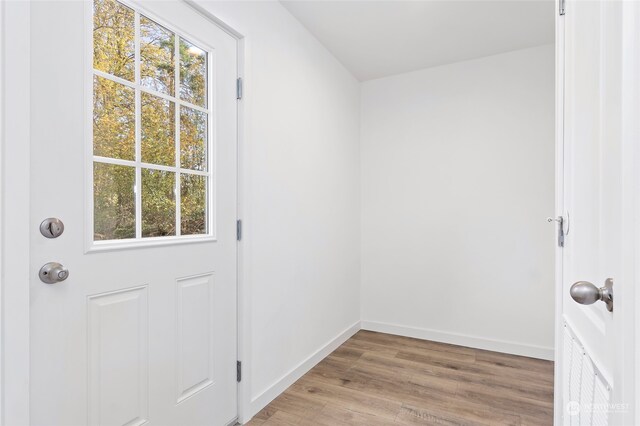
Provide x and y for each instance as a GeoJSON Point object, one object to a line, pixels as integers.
{"type": "Point", "coordinates": [514, 348]}
{"type": "Point", "coordinates": [262, 400]}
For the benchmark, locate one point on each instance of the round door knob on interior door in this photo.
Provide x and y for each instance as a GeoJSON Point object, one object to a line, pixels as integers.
{"type": "Point", "coordinates": [586, 293]}
{"type": "Point", "coordinates": [53, 272]}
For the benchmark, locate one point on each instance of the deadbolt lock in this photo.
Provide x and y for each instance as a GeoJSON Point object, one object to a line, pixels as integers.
{"type": "Point", "coordinates": [52, 227]}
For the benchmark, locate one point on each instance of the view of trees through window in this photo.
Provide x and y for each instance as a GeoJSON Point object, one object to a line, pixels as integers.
{"type": "Point", "coordinates": [150, 128]}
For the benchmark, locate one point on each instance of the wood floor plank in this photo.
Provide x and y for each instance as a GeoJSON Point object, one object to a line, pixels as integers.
{"type": "Point", "coordinates": [401, 342]}
{"type": "Point", "coordinates": [282, 418]}
{"type": "Point", "coordinates": [368, 346]}
{"type": "Point", "coordinates": [518, 362]}
{"type": "Point", "coordinates": [482, 375]}
{"type": "Point", "coordinates": [347, 352]}
{"type": "Point", "coordinates": [488, 375]}
{"type": "Point", "coordinates": [517, 375]}
{"type": "Point", "coordinates": [500, 399]}
{"type": "Point", "coordinates": [337, 416]}
{"type": "Point", "coordinates": [352, 399]}
{"type": "Point", "coordinates": [255, 422]}
{"type": "Point", "coordinates": [455, 415]}
{"type": "Point", "coordinates": [379, 379]}
{"type": "Point", "coordinates": [298, 404]}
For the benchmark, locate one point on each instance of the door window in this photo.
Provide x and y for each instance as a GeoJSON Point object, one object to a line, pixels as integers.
{"type": "Point", "coordinates": [151, 129]}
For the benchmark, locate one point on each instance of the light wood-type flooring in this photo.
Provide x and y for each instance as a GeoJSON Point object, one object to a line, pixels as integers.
{"type": "Point", "coordinates": [380, 379]}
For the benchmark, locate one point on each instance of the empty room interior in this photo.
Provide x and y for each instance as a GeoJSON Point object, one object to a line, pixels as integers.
{"type": "Point", "coordinates": [413, 191]}
{"type": "Point", "coordinates": [306, 213]}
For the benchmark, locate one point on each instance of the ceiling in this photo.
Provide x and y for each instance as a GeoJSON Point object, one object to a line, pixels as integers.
{"type": "Point", "coordinates": [375, 39]}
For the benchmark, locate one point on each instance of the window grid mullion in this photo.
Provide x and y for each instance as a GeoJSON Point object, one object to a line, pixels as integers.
{"type": "Point", "coordinates": [138, 132]}
{"type": "Point", "coordinates": [129, 163]}
{"type": "Point", "coordinates": [178, 187]}
{"type": "Point", "coordinates": [145, 89]}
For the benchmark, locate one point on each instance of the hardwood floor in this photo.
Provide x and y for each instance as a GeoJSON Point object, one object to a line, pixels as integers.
{"type": "Point", "coordinates": [380, 379]}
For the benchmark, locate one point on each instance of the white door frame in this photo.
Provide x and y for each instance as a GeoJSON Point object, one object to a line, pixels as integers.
{"type": "Point", "coordinates": [631, 198]}
{"type": "Point", "coordinates": [559, 209]}
{"type": "Point", "coordinates": [15, 270]}
{"type": "Point", "coordinates": [631, 209]}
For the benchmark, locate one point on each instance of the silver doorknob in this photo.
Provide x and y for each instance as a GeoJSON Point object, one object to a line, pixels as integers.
{"type": "Point", "coordinates": [53, 272]}
{"type": "Point", "coordinates": [586, 293]}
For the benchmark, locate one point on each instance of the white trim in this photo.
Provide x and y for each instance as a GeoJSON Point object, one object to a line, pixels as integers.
{"type": "Point", "coordinates": [229, 29]}
{"type": "Point", "coordinates": [15, 229]}
{"type": "Point", "coordinates": [133, 243]}
{"type": "Point", "coordinates": [280, 385]}
{"type": "Point", "coordinates": [496, 345]}
{"type": "Point", "coordinates": [559, 211]}
{"type": "Point", "coordinates": [243, 273]}
{"type": "Point", "coordinates": [91, 221]}
{"type": "Point", "coordinates": [2, 251]}
{"type": "Point", "coordinates": [232, 422]}
{"type": "Point", "coordinates": [629, 336]}
{"type": "Point", "coordinates": [176, 138]}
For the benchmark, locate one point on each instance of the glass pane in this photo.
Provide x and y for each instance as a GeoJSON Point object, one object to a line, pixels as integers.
{"type": "Point", "coordinates": [157, 57]}
{"type": "Point", "coordinates": [158, 203]}
{"type": "Point", "coordinates": [193, 139]}
{"type": "Point", "coordinates": [158, 130]}
{"type": "Point", "coordinates": [193, 74]}
{"type": "Point", "coordinates": [114, 206]}
{"type": "Point", "coordinates": [113, 38]}
{"type": "Point", "coordinates": [113, 119]}
{"type": "Point", "coordinates": [193, 201]}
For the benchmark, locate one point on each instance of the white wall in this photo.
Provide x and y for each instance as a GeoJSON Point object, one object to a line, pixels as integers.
{"type": "Point", "coordinates": [301, 268]}
{"type": "Point", "coordinates": [457, 180]}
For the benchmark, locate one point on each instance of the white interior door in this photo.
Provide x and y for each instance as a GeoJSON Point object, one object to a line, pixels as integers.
{"type": "Point", "coordinates": [134, 149]}
{"type": "Point", "coordinates": [592, 366]}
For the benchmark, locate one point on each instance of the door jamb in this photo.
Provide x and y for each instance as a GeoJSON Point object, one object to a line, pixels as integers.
{"type": "Point", "coordinates": [559, 208]}
{"type": "Point", "coordinates": [630, 89]}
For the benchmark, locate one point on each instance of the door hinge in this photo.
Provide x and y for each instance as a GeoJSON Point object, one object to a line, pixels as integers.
{"type": "Point", "coordinates": [239, 229]}
{"type": "Point", "coordinates": [561, 233]}
{"type": "Point", "coordinates": [239, 88]}
{"type": "Point", "coordinates": [238, 371]}
{"type": "Point", "coordinates": [561, 6]}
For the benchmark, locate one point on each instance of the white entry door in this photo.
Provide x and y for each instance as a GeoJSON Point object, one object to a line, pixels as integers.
{"type": "Point", "coordinates": [133, 149]}
{"type": "Point", "coordinates": [595, 373]}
